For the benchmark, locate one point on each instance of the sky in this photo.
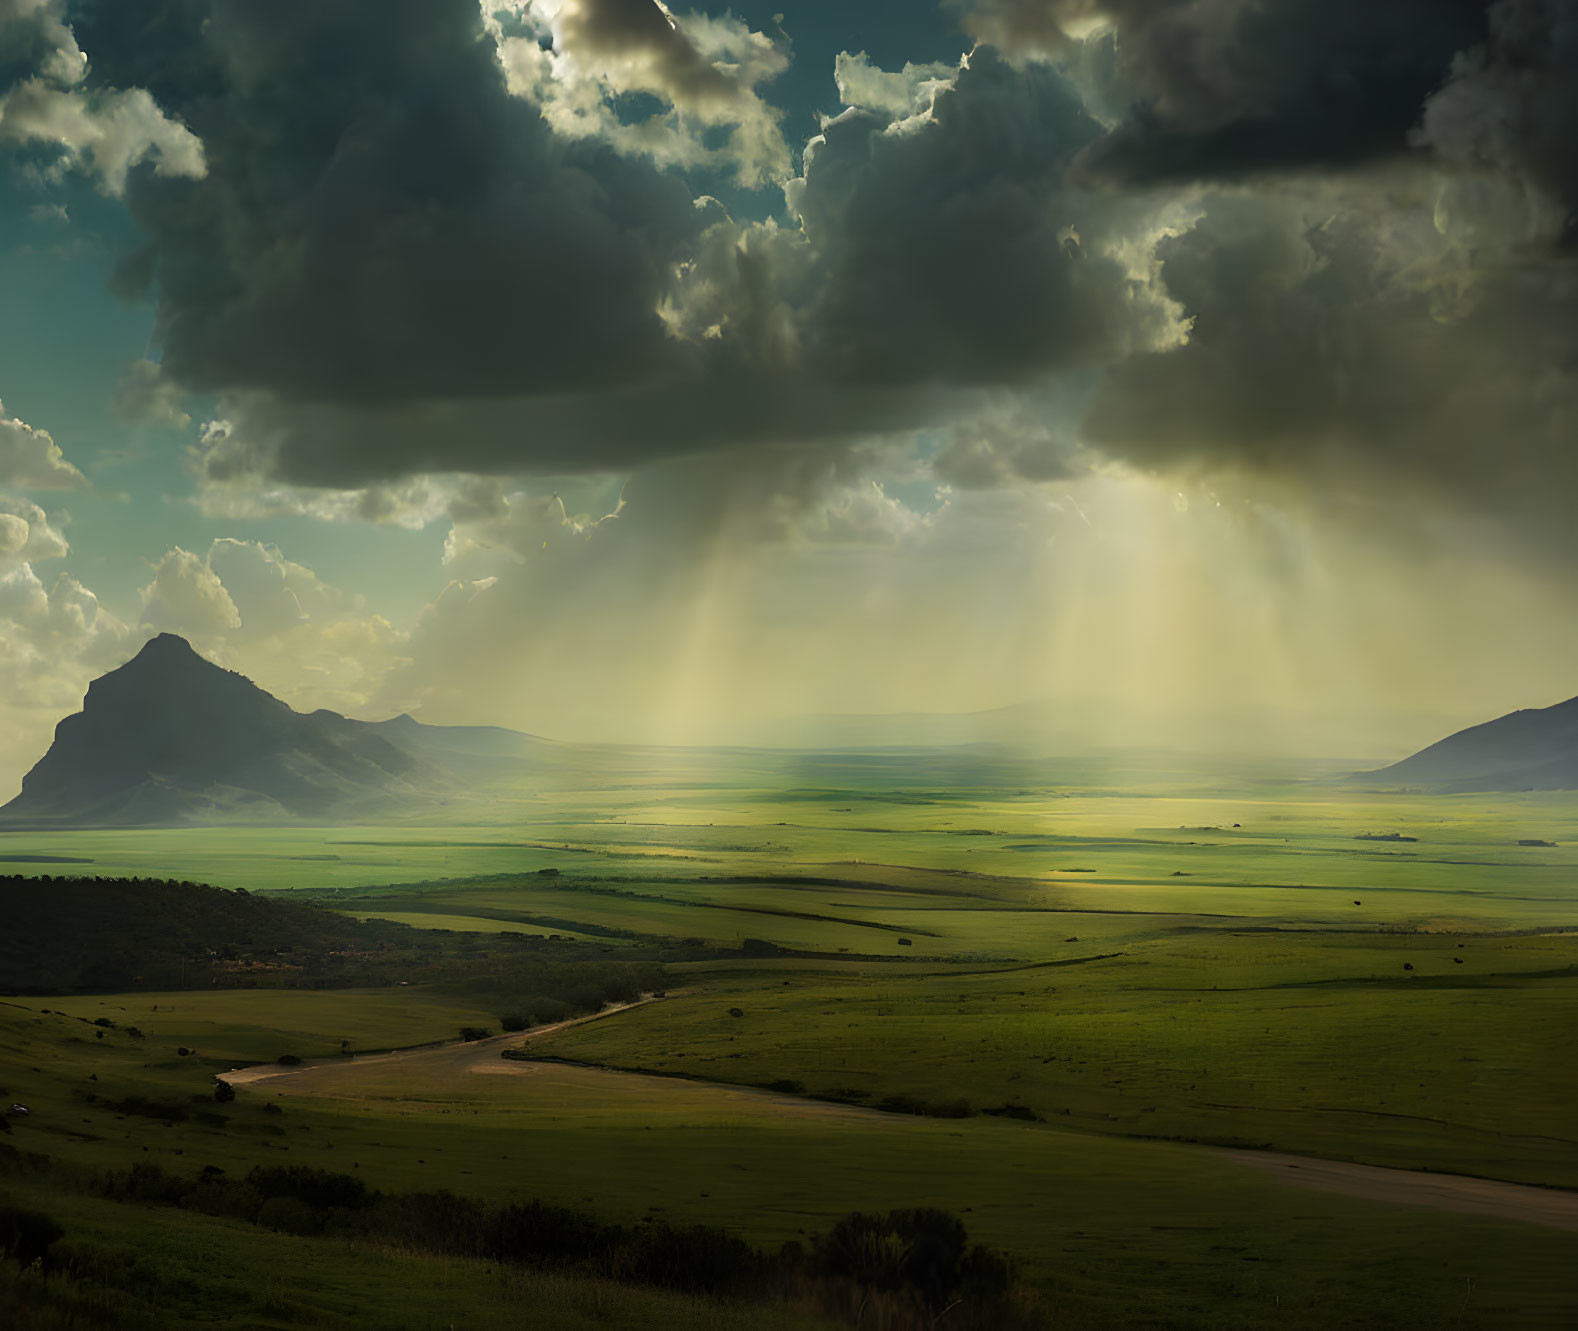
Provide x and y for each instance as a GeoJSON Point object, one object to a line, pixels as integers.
{"type": "Point", "coordinates": [621, 373]}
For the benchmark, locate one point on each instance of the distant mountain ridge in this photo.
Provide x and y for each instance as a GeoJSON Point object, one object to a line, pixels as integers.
{"type": "Point", "coordinates": [170, 737]}
{"type": "Point", "coordinates": [1534, 748]}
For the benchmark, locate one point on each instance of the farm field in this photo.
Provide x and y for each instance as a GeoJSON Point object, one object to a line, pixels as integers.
{"type": "Point", "coordinates": [1293, 856]}
{"type": "Point", "coordinates": [1035, 1006]}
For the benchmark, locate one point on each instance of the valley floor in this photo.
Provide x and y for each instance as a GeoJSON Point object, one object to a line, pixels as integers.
{"type": "Point", "coordinates": [1211, 1061]}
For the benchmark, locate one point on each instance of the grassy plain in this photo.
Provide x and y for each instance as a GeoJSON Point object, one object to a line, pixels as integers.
{"type": "Point", "coordinates": [1233, 964]}
{"type": "Point", "coordinates": [1118, 1232]}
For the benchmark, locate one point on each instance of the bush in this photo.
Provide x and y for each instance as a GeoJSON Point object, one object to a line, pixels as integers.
{"type": "Point", "coordinates": [224, 1092]}
{"type": "Point", "coordinates": [26, 1236]}
{"type": "Point", "coordinates": [926, 1251]}
{"type": "Point", "coordinates": [1015, 1111]}
{"type": "Point", "coordinates": [146, 1182]}
{"type": "Point", "coordinates": [695, 1260]}
{"type": "Point", "coordinates": [289, 1060]}
{"type": "Point", "coordinates": [514, 1021]}
{"type": "Point", "coordinates": [537, 1234]}
{"type": "Point", "coordinates": [320, 1189]}
{"type": "Point", "coordinates": [474, 1032]}
{"type": "Point", "coordinates": [289, 1216]}
{"type": "Point", "coordinates": [436, 1222]}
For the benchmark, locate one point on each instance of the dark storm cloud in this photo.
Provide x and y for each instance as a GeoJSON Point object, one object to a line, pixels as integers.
{"type": "Point", "coordinates": [1512, 104]}
{"type": "Point", "coordinates": [1225, 88]}
{"type": "Point", "coordinates": [958, 252]}
{"type": "Point", "coordinates": [381, 221]}
{"type": "Point", "coordinates": [1333, 343]}
{"type": "Point", "coordinates": [394, 266]}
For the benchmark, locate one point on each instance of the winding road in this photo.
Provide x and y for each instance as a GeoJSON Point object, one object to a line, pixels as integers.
{"type": "Point", "coordinates": [1554, 1208]}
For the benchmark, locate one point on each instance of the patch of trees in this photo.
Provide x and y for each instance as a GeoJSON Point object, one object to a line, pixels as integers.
{"type": "Point", "coordinates": [903, 1270]}
{"type": "Point", "coordinates": [532, 993]}
{"type": "Point", "coordinates": [62, 934]}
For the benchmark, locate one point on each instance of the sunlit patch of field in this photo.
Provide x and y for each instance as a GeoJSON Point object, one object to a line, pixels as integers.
{"type": "Point", "coordinates": [471, 924]}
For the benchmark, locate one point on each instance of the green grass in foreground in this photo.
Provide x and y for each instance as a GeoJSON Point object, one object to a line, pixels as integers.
{"type": "Point", "coordinates": [1116, 1232]}
{"type": "Point", "coordinates": [155, 1267]}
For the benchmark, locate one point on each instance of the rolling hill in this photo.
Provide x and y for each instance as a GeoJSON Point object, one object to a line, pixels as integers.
{"type": "Point", "coordinates": [1530, 749]}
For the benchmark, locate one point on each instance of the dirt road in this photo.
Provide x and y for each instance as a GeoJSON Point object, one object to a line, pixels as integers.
{"type": "Point", "coordinates": [1550, 1207]}
{"type": "Point", "coordinates": [1555, 1208]}
{"type": "Point", "coordinates": [460, 1056]}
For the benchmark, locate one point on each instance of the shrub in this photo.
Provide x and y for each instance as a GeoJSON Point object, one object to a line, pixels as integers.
{"type": "Point", "coordinates": [474, 1032]}
{"type": "Point", "coordinates": [26, 1236]}
{"type": "Point", "coordinates": [514, 1021]}
{"type": "Point", "coordinates": [289, 1216]}
{"type": "Point", "coordinates": [289, 1060]}
{"type": "Point", "coordinates": [1015, 1111]}
{"type": "Point", "coordinates": [146, 1182]}
{"type": "Point", "coordinates": [224, 1092]}
{"type": "Point", "coordinates": [926, 1251]}
{"type": "Point", "coordinates": [437, 1222]}
{"type": "Point", "coordinates": [320, 1189]}
{"type": "Point", "coordinates": [696, 1260]}
{"type": "Point", "coordinates": [547, 1010]}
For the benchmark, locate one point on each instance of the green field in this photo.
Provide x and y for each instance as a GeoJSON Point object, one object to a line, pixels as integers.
{"type": "Point", "coordinates": [1119, 1232]}
{"type": "Point", "coordinates": [1244, 967]}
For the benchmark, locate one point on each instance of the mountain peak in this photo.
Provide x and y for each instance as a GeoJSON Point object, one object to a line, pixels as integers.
{"type": "Point", "coordinates": [166, 649]}
{"type": "Point", "coordinates": [167, 642]}
{"type": "Point", "coordinates": [169, 736]}
{"type": "Point", "coordinates": [169, 673]}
